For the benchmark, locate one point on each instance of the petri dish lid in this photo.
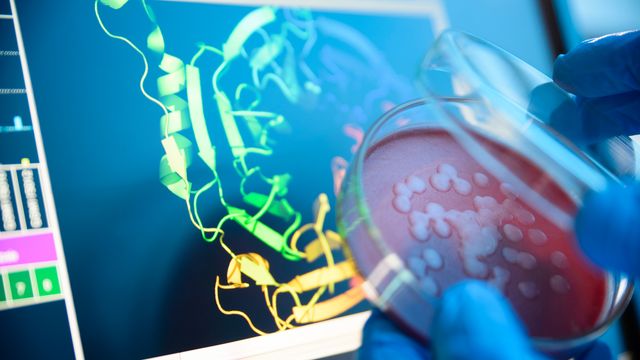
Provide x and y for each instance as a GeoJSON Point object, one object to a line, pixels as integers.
{"type": "Point", "coordinates": [517, 105]}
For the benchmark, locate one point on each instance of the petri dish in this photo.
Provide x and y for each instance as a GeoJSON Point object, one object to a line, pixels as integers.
{"type": "Point", "coordinates": [481, 179]}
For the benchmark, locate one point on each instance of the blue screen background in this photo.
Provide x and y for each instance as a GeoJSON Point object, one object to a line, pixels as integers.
{"type": "Point", "coordinates": [142, 278]}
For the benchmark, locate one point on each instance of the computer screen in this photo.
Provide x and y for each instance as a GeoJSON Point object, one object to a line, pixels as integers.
{"type": "Point", "coordinates": [170, 169]}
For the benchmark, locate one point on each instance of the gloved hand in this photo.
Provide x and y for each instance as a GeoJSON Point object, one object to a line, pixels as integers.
{"type": "Point", "coordinates": [604, 74]}
{"type": "Point", "coordinates": [472, 321]}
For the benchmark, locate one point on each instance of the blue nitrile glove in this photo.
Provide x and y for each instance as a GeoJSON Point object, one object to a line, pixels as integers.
{"type": "Point", "coordinates": [608, 228]}
{"type": "Point", "coordinates": [471, 321]}
{"type": "Point", "coordinates": [474, 321]}
{"type": "Point", "coordinates": [604, 74]}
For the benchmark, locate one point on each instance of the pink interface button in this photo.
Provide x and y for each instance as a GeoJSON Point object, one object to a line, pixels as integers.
{"type": "Point", "coordinates": [28, 249]}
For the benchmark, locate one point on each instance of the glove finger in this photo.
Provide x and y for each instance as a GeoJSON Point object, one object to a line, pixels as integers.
{"type": "Point", "coordinates": [601, 67]}
{"type": "Point", "coordinates": [381, 339]}
{"type": "Point", "coordinates": [550, 104]}
{"type": "Point", "coordinates": [473, 321]}
{"type": "Point", "coordinates": [599, 351]}
{"type": "Point", "coordinates": [609, 116]}
{"type": "Point", "coordinates": [586, 120]}
{"type": "Point", "coordinates": [607, 229]}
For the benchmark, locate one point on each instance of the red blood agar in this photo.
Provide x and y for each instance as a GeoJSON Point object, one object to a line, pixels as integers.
{"type": "Point", "coordinates": [450, 219]}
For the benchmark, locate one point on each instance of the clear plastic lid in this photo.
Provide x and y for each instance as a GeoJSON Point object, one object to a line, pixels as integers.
{"type": "Point", "coordinates": [511, 102]}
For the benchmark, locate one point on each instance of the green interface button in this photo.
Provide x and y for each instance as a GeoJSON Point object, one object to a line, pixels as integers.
{"type": "Point", "coordinates": [3, 297]}
{"type": "Point", "coordinates": [20, 284]}
{"type": "Point", "coordinates": [47, 279]}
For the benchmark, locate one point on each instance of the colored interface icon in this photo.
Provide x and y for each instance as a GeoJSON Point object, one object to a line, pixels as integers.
{"type": "Point", "coordinates": [47, 279]}
{"type": "Point", "coordinates": [30, 285]}
{"type": "Point", "coordinates": [20, 284]}
{"type": "Point", "coordinates": [29, 270]}
{"type": "Point", "coordinates": [3, 295]}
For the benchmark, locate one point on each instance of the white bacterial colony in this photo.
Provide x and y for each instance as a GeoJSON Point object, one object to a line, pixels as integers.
{"type": "Point", "coordinates": [537, 236]}
{"type": "Point", "coordinates": [510, 254]}
{"type": "Point", "coordinates": [512, 232]}
{"type": "Point", "coordinates": [429, 285]}
{"type": "Point", "coordinates": [526, 260]}
{"type": "Point", "coordinates": [480, 179]}
{"type": "Point", "coordinates": [478, 242]}
{"type": "Point", "coordinates": [421, 265]}
{"type": "Point", "coordinates": [559, 284]}
{"type": "Point", "coordinates": [559, 259]}
{"type": "Point", "coordinates": [528, 289]}
{"type": "Point", "coordinates": [480, 231]}
{"type": "Point", "coordinates": [447, 177]}
{"type": "Point", "coordinates": [416, 185]}
{"type": "Point", "coordinates": [420, 231]}
{"type": "Point", "coordinates": [525, 217]}
{"type": "Point", "coordinates": [433, 258]}
{"type": "Point", "coordinates": [507, 190]}
{"type": "Point", "coordinates": [522, 258]}
{"type": "Point", "coordinates": [499, 278]}
{"type": "Point", "coordinates": [432, 220]}
{"type": "Point", "coordinates": [417, 265]}
{"type": "Point", "coordinates": [404, 190]}
{"type": "Point", "coordinates": [402, 203]}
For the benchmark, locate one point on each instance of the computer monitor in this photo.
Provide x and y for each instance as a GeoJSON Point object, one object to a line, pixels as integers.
{"type": "Point", "coordinates": [130, 131]}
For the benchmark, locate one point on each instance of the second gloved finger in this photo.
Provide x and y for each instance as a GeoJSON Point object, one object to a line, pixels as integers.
{"type": "Point", "coordinates": [608, 116]}
{"type": "Point", "coordinates": [607, 228]}
{"type": "Point", "coordinates": [382, 339]}
{"type": "Point", "coordinates": [598, 351]}
{"type": "Point", "coordinates": [601, 67]}
{"type": "Point", "coordinates": [474, 321]}
{"type": "Point", "coordinates": [586, 120]}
